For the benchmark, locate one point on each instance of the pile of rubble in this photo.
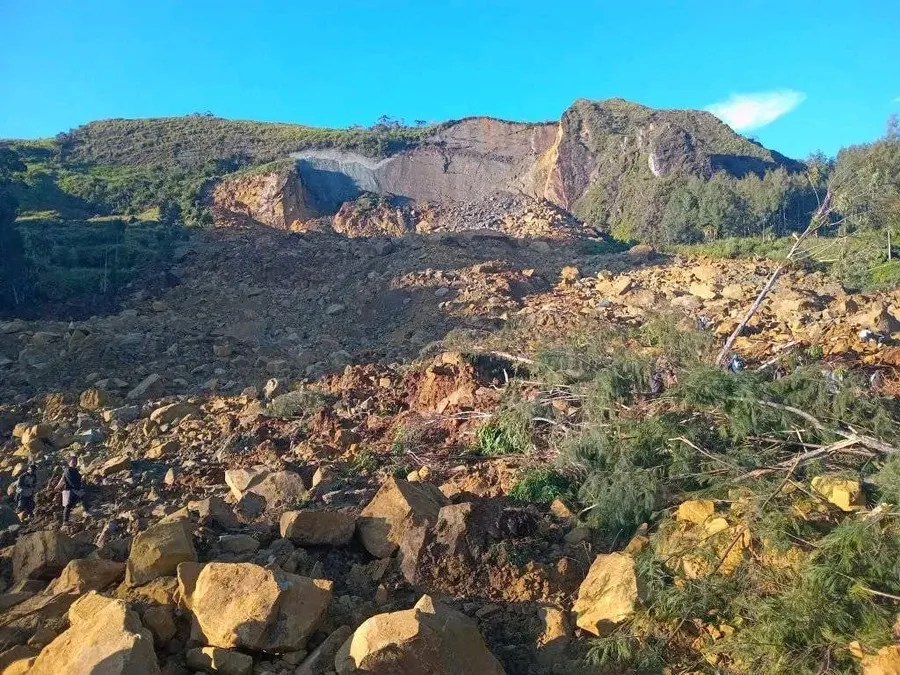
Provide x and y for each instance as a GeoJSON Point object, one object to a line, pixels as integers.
{"type": "Point", "coordinates": [275, 455]}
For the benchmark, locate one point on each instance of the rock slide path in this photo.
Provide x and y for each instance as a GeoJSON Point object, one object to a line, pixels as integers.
{"type": "Point", "coordinates": [235, 527]}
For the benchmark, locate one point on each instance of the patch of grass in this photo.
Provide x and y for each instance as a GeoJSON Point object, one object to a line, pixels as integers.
{"type": "Point", "coordinates": [507, 433]}
{"type": "Point", "coordinates": [296, 404]}
{"type": "Point", "coordinates": [364, 461]}
{"type": "Point", "coordinates": [887, 479]}
{"type": "Point", "coordinates": [540, 486]}
{"type": "Point", "coordinates": [885, 275]}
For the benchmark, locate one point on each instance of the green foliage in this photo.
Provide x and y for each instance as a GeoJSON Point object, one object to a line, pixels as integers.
{"type": "Point", "coordinates": [507, 433]}
{"type": "Point", "coordinates": [751, 191]}
{"type": "Point", "coordinates": [830, 604]}
{"type": "Point", "coordinates": [77, 261]}
{"type": "Point", "coordinates": [622, 649]}
{"type": "Point", "coordinates": [302, 403]}
{"type": "Point", "coordinates": [190, 142]}
{"type": "Point", "coordinates": [364, 461]}
{"type": "Point", "coordinates": [885, 275]}
{"type": "Point", "coordinates": [124, 167]}
{"type": "Point", "coordinates": [540, 486]}
{"type": "Point", "coordinates": [888, 480]}
{"type": "Point", "coordinates": [14, 280]}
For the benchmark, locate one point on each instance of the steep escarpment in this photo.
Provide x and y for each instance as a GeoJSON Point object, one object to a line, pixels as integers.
{"type": "Point", "coordinates": [608, 162]}
{"type": "Point", "coordinates": [464, 161]}
{"type": "Point", "coordinates": [636, 172]}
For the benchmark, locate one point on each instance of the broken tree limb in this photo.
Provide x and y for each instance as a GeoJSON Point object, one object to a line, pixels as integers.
{"type": "Point", "coordinates": [819, 218]}
{"type": "Point", "coordinates": [849, 438]}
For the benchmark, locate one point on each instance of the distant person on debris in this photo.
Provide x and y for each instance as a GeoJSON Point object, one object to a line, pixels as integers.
{"type": "Point", "coordinates": [70, 484]}
{"type": "Point", "coordinates": [25, 487]}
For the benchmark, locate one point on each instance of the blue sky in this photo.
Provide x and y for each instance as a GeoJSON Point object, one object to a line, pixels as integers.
{"type": "Point", "coordinates": [798, 75]}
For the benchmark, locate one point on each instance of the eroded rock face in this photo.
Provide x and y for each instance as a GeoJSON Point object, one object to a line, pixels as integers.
{"type": "Point", "coordinates": [107, 638]}
{"type": "Point", "coordinates": [246, 606]}
{"type": "Point", "coordinates": [277, 199]}
{"type": "Point", "coordinates": [429, 639]}
{"type": "Point", "coordinates": [157, 551]}
{"type": "Point", "coordinates": [397, 506]}
{"type": "Point", "coordinates": [609, 594]}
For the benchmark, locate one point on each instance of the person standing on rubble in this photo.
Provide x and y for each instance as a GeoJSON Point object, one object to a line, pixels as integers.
{"type": "Point", "coordinates": [71, 487]}
{"type": "Point", "coordinates": [25, 487]}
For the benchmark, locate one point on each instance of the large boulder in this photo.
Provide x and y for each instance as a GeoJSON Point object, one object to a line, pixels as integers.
{"type": "Point", "coordinates": [429, 639]}
{"type": "Point", "coordinates": [316, 528]}
{"type": "Point", "coordinates": [157, 551]}
{"type": "Point", "coordinates": [215, 512]}
{"type": "Point", "coordinates": [321, 660]}
{"type": "Point", "coordinates": [87, 574]}
{"type": "Point", "coordinates": [172, 412]}
{"type": "Point", "coordinates": [608, 595]}
{"type": "Point", "coordinates": [107, 638]}
{"type": "Point", "coordinates": [219, 661]}
{"type": "Point", "coordinates": [42, 555]}
{"type": "Point", "coordinates": [246, 606]}
{"type": "Point", "coordinates": [885, 662]}
{"type": "Point", "coordinates": [397, 506]}
{"type": "Point", "coordinates": [279, 489]}
{"type": "Point", "coordinates": [845, 493]}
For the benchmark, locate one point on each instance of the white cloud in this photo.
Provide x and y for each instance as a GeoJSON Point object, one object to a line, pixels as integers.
{"type": "Point", "coordinates": [745, 112]}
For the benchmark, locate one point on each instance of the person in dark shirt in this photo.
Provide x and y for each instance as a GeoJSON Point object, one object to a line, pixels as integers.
{"type": "Point", "coordinates": [70, 485]}
{"type": "Point", "coordinates": [25, 487]}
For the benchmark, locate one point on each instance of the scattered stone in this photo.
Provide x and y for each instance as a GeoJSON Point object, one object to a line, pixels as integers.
{"type": "Point", "coordinates": [150, 387]}
{"type": "Point", "coordinates": [239, 544]}
{"type": "Point", "coordinates": [219, 661]}
{"type": "Point", "coordinates": [42, 555]}
{"type": "Point", "coordinates": [160, 619]}
{"type": "Point", "coordinates": [397, 506]}
{"type": "Point", "coordinates": [696, 511]}
{"type": "Point", "coordinates": [317, 528]}
{"type": "Point", "coordinates": [246, 606]}
{"type": "Point", "coordinates": [429, 639]}
{"type": "Point", "coordinates": [115, 465]}
{"type": "Point", "coordinates": [173, 412]}
{"type": "Point", "coordinates": [162, 449]}
{"type": "Point", "coordinates": [321, 660]}
{"type": "Point", "coordinates": [105, 638]}
{"type": "Point", "coordinates": [157, 551]}
{"type": "Point", "coordinates": [845, 493]}
{"type": "Point", "coordinates": [214, 511]}
{"type": "Point", "coordinates": [93, 399]}
{"type": "Point", "coordinates": [885, 662]}
{"type": "Point", "coordinates": [609, 594]}
{"type": "Point", "coordinates": [87, 574]}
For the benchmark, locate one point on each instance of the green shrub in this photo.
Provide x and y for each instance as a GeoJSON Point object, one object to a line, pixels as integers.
{"type": "Point", "coordinates": [296, 404]}
{"type": "Point", "coordinates": [506, 434]}
{"type": "Point", "coordinates": [540, 486]}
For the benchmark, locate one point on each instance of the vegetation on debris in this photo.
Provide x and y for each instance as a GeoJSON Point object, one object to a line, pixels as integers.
{"type": "Point", "coordinates": [814, 579]}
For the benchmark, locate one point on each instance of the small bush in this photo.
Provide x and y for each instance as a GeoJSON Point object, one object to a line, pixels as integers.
{"type": "Point", "coordinates": [507, 433]}
{"type": "Point", "coordinates": [296, 404]}
{"type": "Point", "coordinates": [540, 486]}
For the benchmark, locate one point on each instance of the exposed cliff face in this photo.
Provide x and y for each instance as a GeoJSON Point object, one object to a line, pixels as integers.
{"type": "Point", "coordinates": [465, 161]}
{"type": "Point", "coordinates": [273, 198]}
{"type": "Point", "coordinates": [593, 149]}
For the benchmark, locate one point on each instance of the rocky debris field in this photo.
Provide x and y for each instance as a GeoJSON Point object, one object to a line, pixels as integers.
{"type": "Point", "coordinates": [277, 448]}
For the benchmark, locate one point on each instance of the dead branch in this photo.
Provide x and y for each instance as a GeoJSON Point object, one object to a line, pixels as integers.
{"type": "Point", "coordinates": [864, 440]}
{"type": "Point", "coordinates": [819, 218]}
